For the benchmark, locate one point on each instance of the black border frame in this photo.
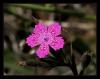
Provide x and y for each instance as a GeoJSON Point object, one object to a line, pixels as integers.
{"type": "Point", "coordinates": [46, 1]}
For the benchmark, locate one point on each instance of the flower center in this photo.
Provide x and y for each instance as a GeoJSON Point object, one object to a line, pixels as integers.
{"type": "Point", "coordinates": [46, 39]}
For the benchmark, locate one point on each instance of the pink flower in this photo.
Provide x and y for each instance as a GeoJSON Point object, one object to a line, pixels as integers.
{"type": "Point", "coordinates": [45, 37]}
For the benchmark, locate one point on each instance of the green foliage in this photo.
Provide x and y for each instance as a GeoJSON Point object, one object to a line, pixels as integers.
{"type": "Point", "coordinates": [80, 46]}
{"type": "Point", "coordinates": [11, 63]}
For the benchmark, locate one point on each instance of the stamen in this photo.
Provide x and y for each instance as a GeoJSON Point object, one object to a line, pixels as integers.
{"type": "Point", "coordinates": [46, 39]}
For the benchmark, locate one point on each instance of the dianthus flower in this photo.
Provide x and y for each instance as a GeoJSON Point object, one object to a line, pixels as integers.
{"type": "Point", "coordinates": [44, 37]}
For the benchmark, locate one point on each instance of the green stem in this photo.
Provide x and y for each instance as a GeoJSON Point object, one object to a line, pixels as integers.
{"type": "Point", "coordinates": [49, 9]}
{"type": "Point", "coordinates": [73, 66]}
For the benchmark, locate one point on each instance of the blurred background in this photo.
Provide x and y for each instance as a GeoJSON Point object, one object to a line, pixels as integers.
{"type": "Point", "coordinates": [79, 20]}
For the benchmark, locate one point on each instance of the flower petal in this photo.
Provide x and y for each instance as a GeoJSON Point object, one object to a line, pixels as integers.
{"type": "Point", "coordinates": [32, 40]}
{"type": "Point", "coordinates": [54, 29]}
{"type": "Point", "coordinates": [43, 50]}
{"type": "Point", "coordinates": [57, 43]}
{"type": "Point", "coordinates": [39, 28]}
